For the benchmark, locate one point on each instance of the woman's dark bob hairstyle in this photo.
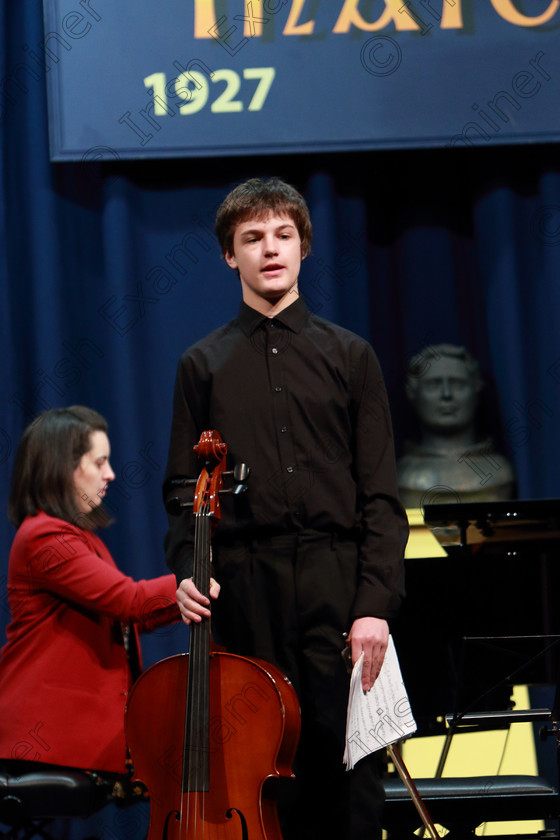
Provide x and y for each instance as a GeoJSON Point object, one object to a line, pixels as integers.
{"type": "Point", "coordinates": [49, 451]}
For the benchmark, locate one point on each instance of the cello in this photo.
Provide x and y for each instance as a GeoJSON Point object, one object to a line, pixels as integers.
{"type": "Point", "coordinates": [207, 730]}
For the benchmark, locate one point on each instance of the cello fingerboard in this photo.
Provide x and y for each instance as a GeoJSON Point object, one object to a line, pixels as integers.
{"type": "Point", "coordinates": [196, 758]}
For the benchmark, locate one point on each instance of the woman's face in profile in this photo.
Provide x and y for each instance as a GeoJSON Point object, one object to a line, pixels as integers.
{"type": "Point", "coordinates": [93, 473]}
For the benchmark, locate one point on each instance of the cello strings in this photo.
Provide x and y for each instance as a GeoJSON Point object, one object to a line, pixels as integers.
{"type": "Point", "coordinates": [187, 764]}
{"type": "Point", "coordinates": [192, 710]}
{"type": "Point", "coordinates": [204, 663]}
{"type": "Point", "coordinates": [204, 672]}
{"type": "Point", "coordinates": [197, 748]}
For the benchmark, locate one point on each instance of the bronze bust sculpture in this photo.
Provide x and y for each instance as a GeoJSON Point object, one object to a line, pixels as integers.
{"type": "Point", "coordinates": [449, 464]}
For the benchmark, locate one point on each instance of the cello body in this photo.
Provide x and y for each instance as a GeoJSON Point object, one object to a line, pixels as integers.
{"type": "Point", "coordinates": [253, 729]}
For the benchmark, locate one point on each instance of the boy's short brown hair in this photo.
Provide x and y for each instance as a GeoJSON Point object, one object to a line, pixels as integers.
{"type": "Point", "coordinates": [257, 199]}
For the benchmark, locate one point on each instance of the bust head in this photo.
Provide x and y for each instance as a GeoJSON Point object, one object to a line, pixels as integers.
{"type": "Point", "coordinates": [443, 385]}
{"type": "Point", "coordinates": [449, 464]}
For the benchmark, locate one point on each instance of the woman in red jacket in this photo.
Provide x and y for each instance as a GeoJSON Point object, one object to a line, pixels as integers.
{"type": "Point", "coordinates": [72, 644]}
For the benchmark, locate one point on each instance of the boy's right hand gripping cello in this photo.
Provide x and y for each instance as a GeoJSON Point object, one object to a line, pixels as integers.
{"type": "Point", "coordinates": [208, 730]}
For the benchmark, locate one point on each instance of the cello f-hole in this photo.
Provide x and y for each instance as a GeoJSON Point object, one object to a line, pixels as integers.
{"type": "Point", "coordinates": [244, 832]}
{"type": "Point", "coordinates": [171, 814]}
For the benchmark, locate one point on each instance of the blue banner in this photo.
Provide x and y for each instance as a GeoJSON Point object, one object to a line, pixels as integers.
{"type": "Point", "coordinates": [182, 78]}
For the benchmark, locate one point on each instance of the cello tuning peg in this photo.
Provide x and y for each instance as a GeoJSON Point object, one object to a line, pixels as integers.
{"type": "Point", "coordinates": [240, 475]}
{"type": "Point", "coordinates": [182, 482]}
{"type": "Point", "coordinates": [241, 472]}
{"type": "Point", "coordinates": [174, 505]}
{"type": "Point", "coordinates": [237, 490]}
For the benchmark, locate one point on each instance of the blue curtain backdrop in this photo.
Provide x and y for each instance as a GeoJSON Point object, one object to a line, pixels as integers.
{"type": "Point", "coordinates": [110, 269]}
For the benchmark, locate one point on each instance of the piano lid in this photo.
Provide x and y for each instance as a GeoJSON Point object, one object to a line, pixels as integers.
{"type": "Point", "coordinates": [475, 524]}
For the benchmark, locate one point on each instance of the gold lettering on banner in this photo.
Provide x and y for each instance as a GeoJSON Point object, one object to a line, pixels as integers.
{"type": "Point", "coordinates": [204, 18]}
{"type": "Point", "coordinates": [451, 15]}
{"type": "Point", "coordinates": [250, 12]}
{"type": "Point", "coordinates": [253, 19]}
{"type": "Point", "coordinates": [255, 13]}
{"type": "Point", "coordinates": [292, 26]}
{"type": "Point", "coordinates": [395, 10]}
{"type": "Point", "coordinates": [507, 10]}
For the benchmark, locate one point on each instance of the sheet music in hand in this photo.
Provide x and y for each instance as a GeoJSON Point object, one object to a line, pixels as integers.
{"type": "Point", "coordinates": [380, 716]}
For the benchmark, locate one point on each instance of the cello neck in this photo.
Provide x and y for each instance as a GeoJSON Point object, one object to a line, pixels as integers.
{"type": "Point", "coordinates": [206, 509]}
{"type": "Point", "coordinates": [196, 765]}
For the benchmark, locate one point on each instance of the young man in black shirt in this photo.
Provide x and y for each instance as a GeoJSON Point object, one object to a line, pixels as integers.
{"type": "Point", "coordinates": [314, 549]}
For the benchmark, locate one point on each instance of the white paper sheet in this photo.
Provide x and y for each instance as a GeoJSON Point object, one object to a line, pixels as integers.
{"type": "Point", "coordinates": [379, 717]}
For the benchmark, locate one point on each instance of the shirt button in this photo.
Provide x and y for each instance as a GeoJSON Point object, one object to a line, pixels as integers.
{"type": "Point", "coordinates": [275, 350]}
{"type": "Point", "coordinates": [284, 429]}
{"type": "Point", "coordinates": [289, 469]}
{"type": "Point", "coordinates": [278, 389]}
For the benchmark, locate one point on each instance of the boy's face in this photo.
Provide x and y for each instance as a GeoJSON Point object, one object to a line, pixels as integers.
{"type": "Point", "coordinates": [267, 253]}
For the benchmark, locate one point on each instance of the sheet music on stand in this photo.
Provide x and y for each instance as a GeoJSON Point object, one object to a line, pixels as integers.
{"type": "Point", "coordinates": [379, 717]}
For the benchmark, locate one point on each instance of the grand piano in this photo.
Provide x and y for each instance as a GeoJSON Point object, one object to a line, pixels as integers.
{"type": "Point", "coordinates": [484, 609]}
{"type": "Point", "coordinates": [481, 616]}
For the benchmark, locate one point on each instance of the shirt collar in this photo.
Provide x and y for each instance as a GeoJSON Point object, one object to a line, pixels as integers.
{"type": "Point", "coordinates": [293, 317]}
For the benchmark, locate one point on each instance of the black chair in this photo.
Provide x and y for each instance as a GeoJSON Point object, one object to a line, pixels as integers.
{"type": "Point", "coordinates": [33, 795]}
{"type": "Point", "coordinates": [461, 805]}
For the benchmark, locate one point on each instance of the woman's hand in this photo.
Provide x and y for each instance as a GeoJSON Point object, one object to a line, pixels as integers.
{"type": "Point", "coordinates": [193, 605]}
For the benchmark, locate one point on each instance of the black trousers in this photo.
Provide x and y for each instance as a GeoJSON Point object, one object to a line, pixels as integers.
{"type": "Point", "coordinates": [287, 599]}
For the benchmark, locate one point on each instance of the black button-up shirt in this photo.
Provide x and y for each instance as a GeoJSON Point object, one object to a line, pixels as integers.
{"type": "Point", "coordinates": [302, 402]}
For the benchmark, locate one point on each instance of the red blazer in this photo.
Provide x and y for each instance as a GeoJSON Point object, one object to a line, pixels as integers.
{"type": "Point", "coordinates": [64, 672]}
